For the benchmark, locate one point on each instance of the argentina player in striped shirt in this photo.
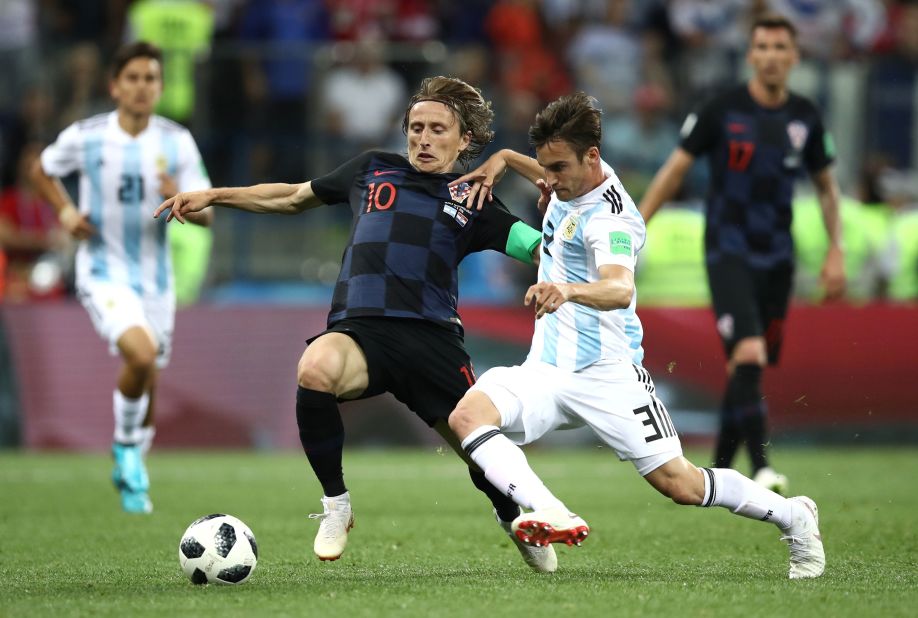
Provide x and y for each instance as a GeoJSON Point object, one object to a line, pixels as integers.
{"type": "Point", "coordinates": [128, 160]}
{"type": "Point", "coordinates": [584, 366]}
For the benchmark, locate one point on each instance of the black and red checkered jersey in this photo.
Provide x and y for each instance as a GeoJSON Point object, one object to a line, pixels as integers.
{"type": "Point", "coordinates": [409, 234]}
{"type": "Point", "coordinates": [755, 154]}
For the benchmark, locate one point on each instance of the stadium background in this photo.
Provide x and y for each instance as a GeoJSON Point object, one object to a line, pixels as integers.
{"type": "Point", "coordinates": [283, 90]}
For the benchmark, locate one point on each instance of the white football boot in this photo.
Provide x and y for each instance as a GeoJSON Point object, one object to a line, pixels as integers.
{"type": "Point", "coordinates": [554, 525]}
{"type": "Point", "coordinates": [768, 478]}
{"type": "Point", "coordinates": [539, 559]}
{"type": "Point", "coordinates": [807, 556]}
{"type": "Point", "coordinates": [337, 519]}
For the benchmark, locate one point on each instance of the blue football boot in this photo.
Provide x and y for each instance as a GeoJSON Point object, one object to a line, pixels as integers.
{"type": "Point", "coordinates": [130, 478]}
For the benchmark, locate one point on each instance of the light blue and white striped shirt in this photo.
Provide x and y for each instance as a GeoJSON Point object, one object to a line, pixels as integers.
{"type": "Point", "coordinates": [598, 228]}
{"type": "Point", "coordinates": [119, 188]}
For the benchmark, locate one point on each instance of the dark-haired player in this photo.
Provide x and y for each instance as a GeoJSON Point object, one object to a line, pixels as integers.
{"type": "Point", "coordinates": [393, 325]}
{"type": "Point", "coordinates": [584, 366]}
{"type": "Point", "coordinates": [128, 160]}
{"type": "Point", "coordinates": [759, 139]}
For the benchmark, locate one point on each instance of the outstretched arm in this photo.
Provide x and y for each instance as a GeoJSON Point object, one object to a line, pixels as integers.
{"type": "Point", "coordinates": [666, 182]}
{"type": "Point", "coordinates": [614, 290]}
{"type": "Point", "coordinates": [276, 198]}
{"type": "Point", "coordinates": [485, 176]}
{"type": "Point", "coordinates": [833, 269]}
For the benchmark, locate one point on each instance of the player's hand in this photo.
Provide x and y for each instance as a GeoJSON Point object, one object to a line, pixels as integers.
{"type": "Point", "coordinates": [167, 186]}
{"type": "Point", "coordinates": [482, 179]}
{"type": "Point", "coordinates": [547, 296]}
{"type": "Point", "coordinates": [544, 195]}
{"type": "Point", "coordinates": [833, 274]}
{"type": "Point", "coordinates": [182, 204]}
{"type": "Point", "coordinates": [75, 224]}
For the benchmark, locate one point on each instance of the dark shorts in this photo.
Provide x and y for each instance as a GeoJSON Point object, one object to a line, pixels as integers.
{"type": "Point", "coordinates": [750, 302]}
{"type": "Point", "coordinates": [425, 366]}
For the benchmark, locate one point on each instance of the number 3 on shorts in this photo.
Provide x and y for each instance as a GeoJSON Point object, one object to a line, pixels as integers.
{"type": "Point", "coordinates": [657, 418]}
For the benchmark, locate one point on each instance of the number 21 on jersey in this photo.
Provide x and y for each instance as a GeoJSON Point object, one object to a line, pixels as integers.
{"type": "Point", "coordinates": [130, 190]}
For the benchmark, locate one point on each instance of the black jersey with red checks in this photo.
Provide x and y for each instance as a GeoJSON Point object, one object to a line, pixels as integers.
{"type": "Point", "coordinates": [408, 237]}
{"type": "Point", "coordinates": [755, 154]}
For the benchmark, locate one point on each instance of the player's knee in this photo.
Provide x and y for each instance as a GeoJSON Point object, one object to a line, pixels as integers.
{"type": "Point", "coordinates": [749, 351]}
{"type": "Point", "coordinates": [138, 348]}
{"type": "Point", "coordinates": [140, 359]}
{"type": "Point", "coordinates": [312, 374]}
{"type": "Point", "coordinates": [332, 365]}
{"type": "Point", "coordinates": [460, 419]}
{"type": "Point", "coordinates": [465, 418]}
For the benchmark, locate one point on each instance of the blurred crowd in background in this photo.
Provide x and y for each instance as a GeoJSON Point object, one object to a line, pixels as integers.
{"type": "Point", "coordinates": [285, 90]}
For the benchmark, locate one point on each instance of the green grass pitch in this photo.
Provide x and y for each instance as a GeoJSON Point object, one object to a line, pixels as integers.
{"type": "Point", "coordinates": [425, 543]}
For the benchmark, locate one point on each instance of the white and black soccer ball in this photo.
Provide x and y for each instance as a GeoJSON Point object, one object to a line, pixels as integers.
{"type": "Point", "coordinates": [218, 549]}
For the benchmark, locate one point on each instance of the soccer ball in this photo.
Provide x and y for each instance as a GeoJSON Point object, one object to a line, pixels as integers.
{"type": "Point", "coordinates": [218, 549]}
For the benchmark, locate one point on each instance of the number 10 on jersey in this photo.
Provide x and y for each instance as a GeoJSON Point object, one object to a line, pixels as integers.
{"type": "Point", "coordinates": [380, 196]}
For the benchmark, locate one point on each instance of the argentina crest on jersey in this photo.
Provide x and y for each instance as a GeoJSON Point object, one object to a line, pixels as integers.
{"type": "Point", "coordinates": [569, 227]}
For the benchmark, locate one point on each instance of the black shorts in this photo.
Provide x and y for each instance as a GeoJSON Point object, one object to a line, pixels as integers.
{"type": "Point", "coordinates": [750, 302]}
{"type": "Point", "coordinates": [424, 365]}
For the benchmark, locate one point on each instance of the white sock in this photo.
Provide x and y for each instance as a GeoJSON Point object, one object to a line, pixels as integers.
{"type": "Point", "coordinates": [146, 439]}
{"type": "Point", "coordinates": [730, 489]}
{"type": "Point", "coordinates": [504, 465]}
{"type": "Point", "coordinates": [129, 416]}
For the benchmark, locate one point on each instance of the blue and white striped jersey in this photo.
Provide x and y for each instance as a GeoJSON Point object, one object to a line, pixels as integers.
{"type": "Point", "coordinates": [119, 188]}
{"type": "Point", "coordinates": [598, 228]}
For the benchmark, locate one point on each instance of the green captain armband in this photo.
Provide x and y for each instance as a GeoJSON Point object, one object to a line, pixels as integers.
{"type": "Point", "coordinates": [521, 240]}
{"type": "Point", "coordinates": [828, 145]}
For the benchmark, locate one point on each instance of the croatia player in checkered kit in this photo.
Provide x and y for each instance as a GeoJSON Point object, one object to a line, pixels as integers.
{"type": "Point", "coordinates": [128, 161]}
{"type": "Point", "coordinates": [393, 324]}
{"type": "Point", "coordinates": [584, 366]}
{"type": "Point", "coordinates": [759, 139]}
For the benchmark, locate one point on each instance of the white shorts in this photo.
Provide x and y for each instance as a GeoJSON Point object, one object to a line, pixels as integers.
{"type": "Point", "coordinates": [114, 308]}
{"type": "Point", "coordinates": [615, 399]}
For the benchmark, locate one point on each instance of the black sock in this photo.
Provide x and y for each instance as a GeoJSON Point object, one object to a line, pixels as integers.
{"type": "Point", "coordinates": [756, 435]}
{"type": "Point", "coordinates": [729, 436]}
{"type": "Point", "coordinates": [322, 437]}
{"type": "Point", "coordinates": [506, 508]}
{"type": "Point", "coordinates": [751, 412]}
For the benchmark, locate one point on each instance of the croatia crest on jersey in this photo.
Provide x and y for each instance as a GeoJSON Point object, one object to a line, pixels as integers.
{"type": "Point", "coordinates": [797, 133]}
{"type": "Point", "coordinates": [460, 192]}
